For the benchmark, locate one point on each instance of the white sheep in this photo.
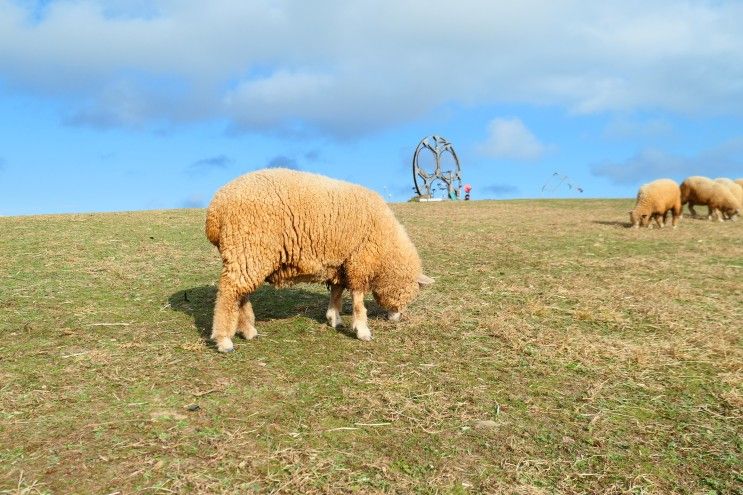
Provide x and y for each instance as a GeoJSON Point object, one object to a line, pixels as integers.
{"type": "Point", "coordinates": [732, 186]}
{"type": "Point", "coordinates": [283, 226]}
{"type": "Point", "coordinates": [698, 190]}
{"type": "Point", "coordinates": [654, 200]}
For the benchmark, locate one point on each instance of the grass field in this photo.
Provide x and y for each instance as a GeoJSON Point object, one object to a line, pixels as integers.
{"type": "Point", "coordinates": [557, 352]}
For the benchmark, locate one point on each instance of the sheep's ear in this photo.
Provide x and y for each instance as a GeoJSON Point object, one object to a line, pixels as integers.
{"type": "Point", "coordinates": [424, 280]}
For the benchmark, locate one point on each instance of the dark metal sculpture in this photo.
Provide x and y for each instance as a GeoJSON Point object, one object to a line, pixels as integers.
{"type": "Point", "coordinates": [425, 180]}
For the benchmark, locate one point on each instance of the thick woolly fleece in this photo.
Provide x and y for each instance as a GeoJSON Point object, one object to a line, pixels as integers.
{"type": "Point", "coordinates": [698, 190]}
{"type": "Point", "coordinates": [732, 186]}
{"type": "Point", "coordinates": [283, 226]}
{"type": "Point", "coordinates": [654, 200]}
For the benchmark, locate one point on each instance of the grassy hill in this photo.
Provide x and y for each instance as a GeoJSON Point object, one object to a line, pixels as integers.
{"type": "Point", "coordinates": [558, 352]}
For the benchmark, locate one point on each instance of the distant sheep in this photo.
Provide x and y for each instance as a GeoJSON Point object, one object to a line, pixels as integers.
{"type": "Point", "coordinates": [654, 200]}
{"type": "Point", "coordinates": [282, 226]}
{"type": "Point", "coordinates": [699, 190]}
{"type": "Point", "coordinates": [733, 187]}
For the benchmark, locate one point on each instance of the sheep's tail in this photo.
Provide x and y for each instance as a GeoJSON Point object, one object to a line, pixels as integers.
{"type": "Point", "coordinates": [213, 226]}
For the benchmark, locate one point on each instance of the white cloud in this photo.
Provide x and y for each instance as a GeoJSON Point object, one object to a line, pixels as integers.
{"type": "Point", "coordinates": [347, 68]}
{"type": "Point", "coordinates": [649, 164]}
{"type": "Point", "coordinates": [274, 101]}
{"type": "Point", "coordinates": [510, 139]}
{"type": "Point", "coordinates": [625, 127]}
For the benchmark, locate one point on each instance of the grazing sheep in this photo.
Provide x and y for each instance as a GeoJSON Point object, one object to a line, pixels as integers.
{"type": "Point", "coordinates": [735, 188]}
{"type": "Point", "coordinates": [654, 200]}
{"type": "Point", "coordinates": [695, 190]}
{"type": "Point", "coordinates": [282, 226]}
{"type": "Point", "coordinates": [699, 190]}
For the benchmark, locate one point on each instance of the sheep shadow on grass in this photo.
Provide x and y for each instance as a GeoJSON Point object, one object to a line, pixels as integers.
{"type": "Point", "coordinates": [268, 302]}
{"type": "Point", "coordinates": [613, 223]}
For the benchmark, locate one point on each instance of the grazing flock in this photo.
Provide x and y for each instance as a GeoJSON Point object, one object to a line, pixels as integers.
{"type": "Point", "coordinates": [284, 226]}
{"type": "Point", "coordinates": [723, 198]}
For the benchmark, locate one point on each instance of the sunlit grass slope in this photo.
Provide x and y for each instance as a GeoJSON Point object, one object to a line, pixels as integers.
{"type": "Point", "coordinates": [557, 352]}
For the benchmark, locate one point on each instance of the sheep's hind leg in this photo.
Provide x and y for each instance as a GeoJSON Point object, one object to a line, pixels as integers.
{"type": "Point", "coordinates": [359, 316]}
{"type": "Point", "coordinates": [676, 215]}
{"type": "Point", "coordinates": [226, 315]}
{"type": "Point", "coordinates": [246, 319]}
{"type": "Point", "coordinates": [334, 307]}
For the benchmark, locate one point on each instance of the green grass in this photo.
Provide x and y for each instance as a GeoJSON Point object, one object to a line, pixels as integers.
{"type": "Point", "coordinates": [558, 352]}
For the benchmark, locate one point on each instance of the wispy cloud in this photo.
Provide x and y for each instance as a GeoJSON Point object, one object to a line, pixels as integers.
{"type": "Point", "coordinates": [281, 161]}
{"type": "Point", "coordinates": [110, 155]}
{"type": "Point", "coordinates": [510, 139]}
{"type": "Point", "coordinates": [623, 127]}
{"type": "Point", "coordinates": [312, 155]}
{"type": "Point", "coordinates": [500, 189]}
{"type": "Point", "coordinates": [193, 201]}
{"type": "Point", "coordinates": [208, 164]}
{"type": "Point", "coordinates": [725, 160]}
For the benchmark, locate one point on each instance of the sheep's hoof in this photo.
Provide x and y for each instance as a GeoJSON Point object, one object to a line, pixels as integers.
{"type": "Point", "coordinates": [225, 345]}
{"type": "Point", "coordinates": [333, 318]}
{"type": "Point", "coordinates": [364, 334]}
{"type": "Point", "coordinates": [248, 334]}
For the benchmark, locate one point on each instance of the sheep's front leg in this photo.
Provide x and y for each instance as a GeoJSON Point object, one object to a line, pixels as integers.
{"type": "Point", "coordinates": [334, 307]}
{"type": "Point", "coordinates": [226, 316]}
{"type": "Point", "coordinates": [714, 212]}
{"type": "Point", "coordinates": [665, 218]}
{"type": "Point", "coordinates": [246, 319]}
{"type": "Point", "coordinates": [657, 218]}
{"type": "Point", "coordinates": [692, 210]}
{"type": "Point", "coordinates": [359, 316]}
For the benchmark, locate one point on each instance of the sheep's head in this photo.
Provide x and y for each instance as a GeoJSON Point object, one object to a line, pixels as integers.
{"type": "Point", "coordinates": [639, 219]}
{"type": "Point", "coordinates": [732, 212]}
{"type": "Point", "coordinates": [395, 294]}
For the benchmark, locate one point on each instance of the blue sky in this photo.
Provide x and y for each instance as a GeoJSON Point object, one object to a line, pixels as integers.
{"type": "Point", "coordinates": [126, 105]}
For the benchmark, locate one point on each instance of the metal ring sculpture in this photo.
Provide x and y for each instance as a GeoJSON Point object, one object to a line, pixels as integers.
{"type": "Point", "coordinates": [424, 180]}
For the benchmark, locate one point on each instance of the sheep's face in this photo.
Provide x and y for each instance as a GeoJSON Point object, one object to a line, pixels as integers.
{"type": "Point", "coordinates": [732, 212]}
{"type": "Point", "coordinates": [396, 295]}
{"type": "Point", "coordinates": [638, 219]}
